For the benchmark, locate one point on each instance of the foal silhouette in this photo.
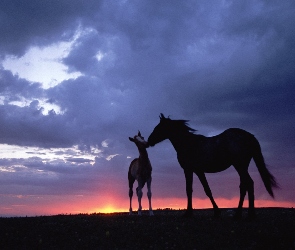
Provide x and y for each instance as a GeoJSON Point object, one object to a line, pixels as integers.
{"type": "Point", "coordinates": [199, 154]}
{"type": "Point", "coordinates": [141, 170]}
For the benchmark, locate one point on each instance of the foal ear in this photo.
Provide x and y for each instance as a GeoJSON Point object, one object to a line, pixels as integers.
{"type": "Point", "coordinates": [139, 134]}
{"type": "Point", "coordinates": [131, 139]}
{"type": "Point", "coordinates": [162, 116]}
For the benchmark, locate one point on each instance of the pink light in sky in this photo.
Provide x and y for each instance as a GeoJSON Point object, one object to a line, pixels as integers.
{"type": "Point", "coordinates": [75, 204]}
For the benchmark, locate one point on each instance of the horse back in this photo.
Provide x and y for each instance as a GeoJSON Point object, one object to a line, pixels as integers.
{"type": "Point", "coordinates": [233, 146]}
{"type": "Point", "coordinates": [217, 153]}
{"type": "Point", "coordinates": [237, 141]}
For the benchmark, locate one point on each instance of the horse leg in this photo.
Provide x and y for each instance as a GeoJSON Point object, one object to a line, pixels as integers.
{"type": "Point", "coordinates": [251, 212]}
{"type": "Point", "coordinates": [131, 181]}
{"type": "Point", "coordinates": [246, 184]}
{"type": "Point", "coordinates": [189, 190]}
{"type": "Point", "coordinates": [208, 192]}
{"type": "Point", "coordinates": [139, 196]}
{"type": "Point", "coordinates": [149, 195]}
{"type": "Point", "coordinates": [243, 191]}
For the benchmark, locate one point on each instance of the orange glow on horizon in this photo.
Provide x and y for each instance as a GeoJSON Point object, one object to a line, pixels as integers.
{"type": "Point", "coordinates": [75, 204]}
{"type": "Point", "coordinates": [181, 203]}
{"type": "Point", "coordinates": [107, 209]}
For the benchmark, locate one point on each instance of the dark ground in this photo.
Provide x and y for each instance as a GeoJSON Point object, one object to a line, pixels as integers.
{"type": "Point", "coordinates": [274, 228]}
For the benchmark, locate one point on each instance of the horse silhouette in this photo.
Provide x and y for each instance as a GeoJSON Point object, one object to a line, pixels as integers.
{"type": "Point", "coordinates": [141, 170]}
{"type": "Point", "coordinates": [199, 154]}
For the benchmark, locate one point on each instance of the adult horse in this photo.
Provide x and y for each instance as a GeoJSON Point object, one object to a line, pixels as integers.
{"type": "Point", "coordinates": [199, 154]}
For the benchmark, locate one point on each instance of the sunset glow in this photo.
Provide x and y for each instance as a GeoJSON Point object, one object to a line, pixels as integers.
{"type": "Point", "coordinates": [181, 204]}
{"type": "Point", "coordinates": [51, 205]}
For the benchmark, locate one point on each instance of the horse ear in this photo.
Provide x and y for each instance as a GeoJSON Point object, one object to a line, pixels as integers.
{"type": "Point", "coordinates": [139, 134]}
{"type": "Point", "coordinates": [162, 116]}
{"type": "Point", "coordinates": [131, 139]}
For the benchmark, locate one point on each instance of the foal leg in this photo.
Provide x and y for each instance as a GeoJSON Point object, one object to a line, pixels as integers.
{"type": "Point", "coordinates": [208, 192]}
{"type": "Point", "coordinates": [139, 196]}
{"type": "Point", "coordinates": [189, 190]}
{"type": "Point", "coordinates": [131, 181]}
{"type": "Point", "coordinates": [149, 195]}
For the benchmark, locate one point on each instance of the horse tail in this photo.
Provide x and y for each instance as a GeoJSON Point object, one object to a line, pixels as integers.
{"type": "Point", "coordinates": [267, 178]}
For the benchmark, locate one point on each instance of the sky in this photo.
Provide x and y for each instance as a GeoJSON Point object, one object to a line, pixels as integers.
{"type": "Point", "coordinates": [77, 78]}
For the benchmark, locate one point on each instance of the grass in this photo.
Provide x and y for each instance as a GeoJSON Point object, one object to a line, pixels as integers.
{"type": "Point", "coordinates": [274, 228]}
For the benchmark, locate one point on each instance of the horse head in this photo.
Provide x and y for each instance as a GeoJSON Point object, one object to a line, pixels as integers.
{"type": "Point", "coordinates": [160, 131]}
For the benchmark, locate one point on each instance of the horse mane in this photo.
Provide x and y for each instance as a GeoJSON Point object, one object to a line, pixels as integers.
{"type": "Point", "coordinates": [180, 124]}
{"type": "Point", "coordinates": [183, 125]}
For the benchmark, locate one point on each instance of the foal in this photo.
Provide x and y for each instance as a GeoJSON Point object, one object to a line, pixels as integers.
{"type": "Point", "coordinates": [141, 170]}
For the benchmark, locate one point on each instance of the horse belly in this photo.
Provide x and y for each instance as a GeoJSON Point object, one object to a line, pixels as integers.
{"type": "Point", "coordinates": [215, 168]}
{"type": "Point", "coordinates": [212, 163]}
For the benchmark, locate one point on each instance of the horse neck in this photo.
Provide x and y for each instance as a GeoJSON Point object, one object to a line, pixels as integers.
{"type": "Point", "coordinates": [179, 140]}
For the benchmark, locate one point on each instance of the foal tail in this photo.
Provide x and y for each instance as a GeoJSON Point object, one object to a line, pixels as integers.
{"type": "Point", "coordinates": [267, 178]}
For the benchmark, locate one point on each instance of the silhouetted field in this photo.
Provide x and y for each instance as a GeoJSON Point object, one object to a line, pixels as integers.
{"type": "Point", "coordinates": [274, 228]}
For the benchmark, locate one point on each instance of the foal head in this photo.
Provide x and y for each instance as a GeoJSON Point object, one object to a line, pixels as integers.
{"type": "Point", "coordinates": [139, 141]}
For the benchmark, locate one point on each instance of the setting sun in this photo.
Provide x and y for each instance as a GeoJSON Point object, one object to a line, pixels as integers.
{"type": "Point", "coordinates": [108, 209]}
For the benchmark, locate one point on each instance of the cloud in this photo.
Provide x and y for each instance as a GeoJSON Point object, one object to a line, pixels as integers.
{"type": "Point", "coordinates": [40, 23]}
{"type": "Point", "coordinates": [34, 65]}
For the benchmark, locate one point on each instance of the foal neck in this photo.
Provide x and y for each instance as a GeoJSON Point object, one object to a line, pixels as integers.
{"type": "Point", "coordinates": [142, 153]}
{"type": "Point", "coordinates": [145, 168]}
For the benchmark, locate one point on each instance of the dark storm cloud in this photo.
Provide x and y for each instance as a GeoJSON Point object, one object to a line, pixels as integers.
{"type": "Point", "coordinates": [208, 62]}
{"type": "Point", "coordinates": [27, 126]}
{"type": "Point", "coordinates": [14, 87]}
{"type": "Point", "coordinates": [33, 22]}
{"type": "Point", "coordinates": [54, 177]}
{"type": "Point", "coordinates": [219, 64]}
